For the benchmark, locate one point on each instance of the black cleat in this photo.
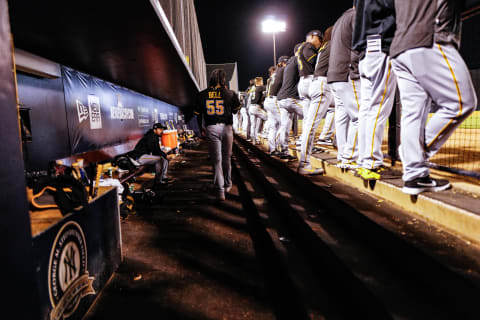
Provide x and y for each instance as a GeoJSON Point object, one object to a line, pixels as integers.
{"type": "Point", "coordinates": [425, 184]}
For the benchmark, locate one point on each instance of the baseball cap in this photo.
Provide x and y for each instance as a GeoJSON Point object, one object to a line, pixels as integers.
{"type": "Point", "coordinates": [158, 125]}
{"type": "Point", "coordinates": [317, 33]}
{"type": "Point", "coordinates": [282, 59]}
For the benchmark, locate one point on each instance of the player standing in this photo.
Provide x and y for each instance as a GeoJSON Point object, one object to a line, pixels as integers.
{"type": "Point", "coordinates": [289, 104]}
{"type": "Point", "coordinates": [272, 108]}
{"type": "Point", "coordinates": [256, 111]}
{"type": "Point", "coordinates": [320, 95]}
{"type": "Point", "coordinates": [429, 70]}
{"type": "Point", "coordinates": [344, 80]}
{"type": "Point", "coordinates": [215, 105]}
{"type": "Point", "coordinates": [372, 37]}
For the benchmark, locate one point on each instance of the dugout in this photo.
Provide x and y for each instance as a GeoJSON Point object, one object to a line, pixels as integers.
{"type": "Point", "coordinates": [90, 76]}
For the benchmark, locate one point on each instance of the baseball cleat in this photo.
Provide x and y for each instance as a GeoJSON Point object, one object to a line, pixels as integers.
{"type": "Point", "coordinates": [351, 165]}
{"type": "Point", "coordinates": [326, 142]}
{"type": "Point", "coordinates": [288, 158]}
{"type": "Point", "coordinates": [368, 175]}
{"type": "Point", "coordinates": [425, 184]}
{"type": "Point", "coordinates": [308, 170]}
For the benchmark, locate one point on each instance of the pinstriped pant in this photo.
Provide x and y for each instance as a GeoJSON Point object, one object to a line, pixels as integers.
{"type": "Point", "coordinates": [320, 95]}
{"type": "Point", "coordinates": [378, 93]}
{"type": "Point", "coordinates": [425, 75]}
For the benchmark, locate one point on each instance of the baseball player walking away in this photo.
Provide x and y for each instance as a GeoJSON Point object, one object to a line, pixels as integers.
{"type": "Point", "coordinates": [256, 111]}
{"type": "Point", "coordinates": [272, 108]}
{"type": "Point", "coordinates": [429, 69]}
{"type": "Point", "coordinates": [372, 37]}
{"type": "Point", "coordinates": [215, 105]}
{"type": "Point", "coordinates": [320, 99]}
{"type": "Point", "coordinates": [344, 81]}
{"type": "Point", "coordinates": [289, 103]}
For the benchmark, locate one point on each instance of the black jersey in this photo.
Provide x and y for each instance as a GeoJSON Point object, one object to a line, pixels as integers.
{"type": "Point", "coordinates": [217, 105]}
{"type": "Point", "coordinates": [290, 80]}
{"type": "Point", "coordinates": [257, 95]}
{"type": "Point", "coordinates": [306, 58]}
{"type": "Point", "coordinates": [277, 82]}
{"type": "Point", "coordinates": [322, 61]}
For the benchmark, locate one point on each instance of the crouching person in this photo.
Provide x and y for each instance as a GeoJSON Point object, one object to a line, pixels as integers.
{"type": "Point", "coordinates": [215, 105]}
{"type": "Point", "coordinates": [148, 152]}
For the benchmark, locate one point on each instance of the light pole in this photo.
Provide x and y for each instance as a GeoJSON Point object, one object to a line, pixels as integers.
{"type": "Point", "coordinates": [273, 26]}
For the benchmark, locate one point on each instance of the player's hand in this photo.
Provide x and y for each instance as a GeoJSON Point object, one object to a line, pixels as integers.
{"type": "Point", "coordinates": [203, 133]}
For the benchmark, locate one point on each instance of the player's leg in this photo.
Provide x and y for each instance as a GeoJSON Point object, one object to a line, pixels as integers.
{"type": "Point", "coordinates": [449, 83]}
{"type": "Point", "coordinates": [227, 142]}
{"type": "Point", "coordinates": [276, 123]}
{"type": "Point", "coordinates": [379, 109]}
{"type": "Point", "coordinates": [253, 122]}
{"type": "Point", "coordinates": [349, 94]}
{"type": "Point", "coordinates": [415, 106]}
{"type": "Point", "coordinates": [214, 138]}
{"type": "Point", "coordinates": [329, 125]}
{"type": "Point", "coordinates": [341, 120]}
{"type": "Point", "coordinates": [366, 82]}
{"type": "Point", "coordinates": [320, 94]}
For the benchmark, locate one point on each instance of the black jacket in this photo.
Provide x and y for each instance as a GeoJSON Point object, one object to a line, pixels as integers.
{"type": "Point", "coordinates": [290, 80]}
{"type": "Point", "coordinates": [149, 144]}
{"type": "Point", "coordinates": [343, 61]}
{"type": "Point", "coordinates": [421, 23]}
{"type": "Point", "coordinates": [374, 17]}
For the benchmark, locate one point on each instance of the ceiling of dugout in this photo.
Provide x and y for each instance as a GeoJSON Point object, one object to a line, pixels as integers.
{"type": "Point", "coordinates": [123, 42]}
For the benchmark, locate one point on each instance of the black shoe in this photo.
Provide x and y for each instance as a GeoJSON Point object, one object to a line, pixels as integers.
{"type": "Point", "coordinates": [291, 158]}
{"type": "Point", "coordinates": [425, 184]}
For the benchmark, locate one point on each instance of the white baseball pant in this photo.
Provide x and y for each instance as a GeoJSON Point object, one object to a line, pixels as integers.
{"type": "Point", "coordinates": [378, 94]}
{"type": "Point", "coordinates": [425, 75]}
{"type": "Point", "coordinates": [257, 115]}
{"type": "Point", "coordinates": [347, 105]}
{"type": "Point", "coordinates": [288, 107]}
{"type": "Point", "coordinates": [320, 100]}
{"type": "Point", "coordinates": [329, 125]}
{"type": "Point", "coordinates": [273, 122]}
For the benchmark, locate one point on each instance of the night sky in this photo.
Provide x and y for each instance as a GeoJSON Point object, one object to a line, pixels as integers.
{"type": "Point", "coordinates": [231, 30]}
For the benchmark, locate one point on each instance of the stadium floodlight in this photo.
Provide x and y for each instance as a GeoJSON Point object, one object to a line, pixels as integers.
{"type": "Point", "coordinates": [273, 26]}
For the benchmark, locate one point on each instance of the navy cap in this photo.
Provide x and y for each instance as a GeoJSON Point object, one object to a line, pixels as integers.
{"type": "Point", "coordinates": [158, 125]}
{"type": "Point", "coordinates": [317, 33]}
{"type": "Point", "coordinates": [282, 59]}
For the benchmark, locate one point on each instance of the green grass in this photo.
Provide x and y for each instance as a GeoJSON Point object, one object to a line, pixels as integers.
{"type": "Point", "coordinates": [472, 122]}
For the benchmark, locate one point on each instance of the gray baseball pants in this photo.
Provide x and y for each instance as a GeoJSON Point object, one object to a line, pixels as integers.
{"type": "Point", "coordinates": [220, 140]}
{"type": "Point", "coordinates": [329, 125]}
{"type": "Point", "coordinates": [161, 165]}
{"type": "Point", "coordinates": [273, 122]}
{"type": "Point", "coordinates": [347, 105]}
{"type": "Point", "coordinates": [257, 115]}
{"type": "Point", "coordinates": [378, 93]}
{"type": "Point", "coordinates": [430, 75]}
{"type": "Point", "coordinates": [320, 100]}
{"type": "Point", "coordinates": [288, 107]}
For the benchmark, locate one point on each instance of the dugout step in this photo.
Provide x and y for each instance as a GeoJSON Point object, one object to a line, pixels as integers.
{"type": "Point", "coordinates": [456, 210]}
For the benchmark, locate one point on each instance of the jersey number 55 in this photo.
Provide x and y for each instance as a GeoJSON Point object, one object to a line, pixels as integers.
{"type": "Point", "coordinates": [215, 107]}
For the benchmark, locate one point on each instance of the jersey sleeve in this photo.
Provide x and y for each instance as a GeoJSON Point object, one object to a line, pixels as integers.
{"type": "Point", "coordinates": [309, 53]}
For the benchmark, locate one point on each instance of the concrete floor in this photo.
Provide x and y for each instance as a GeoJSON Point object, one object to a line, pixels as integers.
{"type": "Point", "coordinates": [187, 258]}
